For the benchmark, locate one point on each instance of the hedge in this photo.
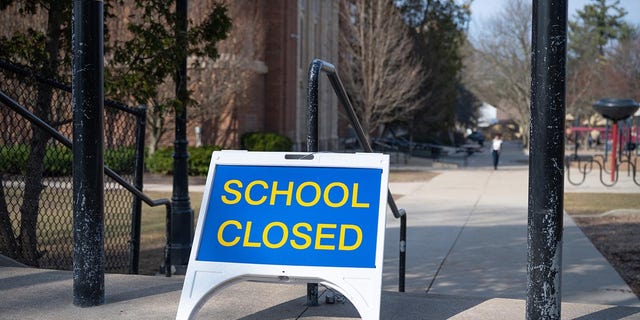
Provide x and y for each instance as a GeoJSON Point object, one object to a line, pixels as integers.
{"type": "Point", "coordinates": [58, 160]}
{"type": "Point", "coordinates": [259, 141]}
{"type": "Point", "coordinates": [199, 158]}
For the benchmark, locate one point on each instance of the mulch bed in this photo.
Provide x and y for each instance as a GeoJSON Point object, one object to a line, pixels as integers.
{"type": "Point", "coordinates": [617, 237]}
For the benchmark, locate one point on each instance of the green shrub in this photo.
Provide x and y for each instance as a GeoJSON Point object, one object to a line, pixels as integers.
{"type": "Point", "coordinates": [58, 161]}
{"type": "Point", "coordinates": [199, 158]}
{"type": "Point", "coordinates": [161, 161]}
{"type": "Point", "coordinates": [122, 160]}
{"type": "Point", "coordinates": [259, 141]}
{"type": "Point", "coordinates": [13, 158]}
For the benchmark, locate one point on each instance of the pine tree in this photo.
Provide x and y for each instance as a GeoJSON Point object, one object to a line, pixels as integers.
{"type": "Point", "coordinates": [597, 26]}
{"type": "Point", "coordinates": [440, 32]}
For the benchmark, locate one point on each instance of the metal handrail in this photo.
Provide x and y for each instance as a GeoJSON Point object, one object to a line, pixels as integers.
{"type": "Point", "coordinates": [24, 72]}
{"type": "Point", "coordinates": [15, 106]}
{"type": "Point", "coordinates": [315, 68]}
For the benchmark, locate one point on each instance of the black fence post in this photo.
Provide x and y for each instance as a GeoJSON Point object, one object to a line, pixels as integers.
{"type": "Point", "coordinates": [546, 159]}
{"type": "Point", "coordinates": [88, 181]}
{"type": "Point", "coordinates": [138, 180]}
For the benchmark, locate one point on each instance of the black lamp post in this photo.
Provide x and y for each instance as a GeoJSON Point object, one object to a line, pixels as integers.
{"type": "Point", "coordinates": [181, 212]}
{"type": "Point", "coordinates": [546, 159]}
{"type": "Point", "coordinates": [88, 184]}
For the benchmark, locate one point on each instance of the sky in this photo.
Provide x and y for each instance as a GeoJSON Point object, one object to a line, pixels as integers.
{"type": "Point", "coordinates": [481, 10]}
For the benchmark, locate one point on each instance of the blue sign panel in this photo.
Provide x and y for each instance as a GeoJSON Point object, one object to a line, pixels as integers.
{"type": "Point", "coordinates": [299, 216]}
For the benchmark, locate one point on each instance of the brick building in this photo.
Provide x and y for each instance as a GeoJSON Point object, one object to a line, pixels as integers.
{"type": "Point", "coordinates": [259, 82]}
{"type": "Point", "coordinates": [286, 36]}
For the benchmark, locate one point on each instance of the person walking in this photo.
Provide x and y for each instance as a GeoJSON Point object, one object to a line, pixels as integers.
{"type": "Point", "coordinates": [496, 147]}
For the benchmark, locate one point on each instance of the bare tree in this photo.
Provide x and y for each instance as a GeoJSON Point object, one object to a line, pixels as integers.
{"type": "Point", "coordinates": [145, 60]}
{"type": "Point", "coordinates": [378, 62]}
{"type": "Point", "coordinates": [596, 34]}
{"type": "Point", "coordinates": [627, 66]}
{"type": "Point", "coordinates": [581, 84]}
{"type": "Point", "coordinates": [500, 65]}
{"type": "Point", "coordinates": [157, 123]}
{"type": "Point", "coordinates": [223, 88]}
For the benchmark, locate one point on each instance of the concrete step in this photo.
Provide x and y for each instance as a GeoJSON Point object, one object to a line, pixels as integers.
{"type": "Point", "coordinates": [28, 293]}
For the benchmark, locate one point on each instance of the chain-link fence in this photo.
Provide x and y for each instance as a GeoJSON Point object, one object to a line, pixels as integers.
{"type": "Point", "coordinates": [36, 196]}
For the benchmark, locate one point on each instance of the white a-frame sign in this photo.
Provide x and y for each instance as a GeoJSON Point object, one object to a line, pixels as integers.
{"type": "Point", "coordinates": [277, 216]}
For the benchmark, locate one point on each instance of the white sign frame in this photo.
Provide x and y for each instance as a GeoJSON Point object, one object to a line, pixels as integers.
{"type": "Point", "coordinates": [361, 286]}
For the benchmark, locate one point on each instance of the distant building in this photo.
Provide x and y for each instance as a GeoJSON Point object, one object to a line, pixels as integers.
{"type": "Point", "coordinates": [259, 82]}
{"type": "Point", "coordinates": [487, 115]}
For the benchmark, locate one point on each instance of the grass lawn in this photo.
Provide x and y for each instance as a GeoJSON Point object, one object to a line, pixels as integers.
{"type": "Point", "coordinates": [153, 230]}
{"type": "Point", "coordinates": [597, 203]}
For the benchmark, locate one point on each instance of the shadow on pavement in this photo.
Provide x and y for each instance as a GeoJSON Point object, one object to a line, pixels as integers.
{"type": "Point", "coordinates": [612, 313]}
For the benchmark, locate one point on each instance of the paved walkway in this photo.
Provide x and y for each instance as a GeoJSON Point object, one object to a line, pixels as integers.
{"type": "Point", "coordinates": [467, 236]}
{"type": "Point", "coordinates": [466, 259]}
{"type": "Point", "coordinates": [468, 229]}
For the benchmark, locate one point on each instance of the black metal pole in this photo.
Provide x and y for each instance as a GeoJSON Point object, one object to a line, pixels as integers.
{"type": "Point", "coordinates": [88, 183]}
{"type": "Point", "coordinates": [182, 215]}
{"type": "Point", "coordinates": [576, 124]}
{"type": "Point", "coordinates": [136, 208]}
{"type": "Point", "coordinates": [312, 106]}
{"type": "Point", "coordinates": [546, 159]}
{"type": "Point", "coordinates": [606, 139]}
{"type": "Point", "coordinates": [403, 252]}
{"type": "Point", "coordinates": [620, 136]}
{"type": "Point", "coordinates": [629, 143]}
{"type": "Point", "coordinates": [636, 120]}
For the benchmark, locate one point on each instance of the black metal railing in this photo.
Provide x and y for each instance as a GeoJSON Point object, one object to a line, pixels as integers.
{"type": "Point", "coordinates": [610, 168]}
{"type": "Point", "coordinates": [317, 66]}
{"type": "Point", "coordinates": [36, 206]}
{"type": "Point", "coordinates": [585, 164]}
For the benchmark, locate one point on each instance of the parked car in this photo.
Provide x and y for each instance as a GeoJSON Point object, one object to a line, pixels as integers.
{"type": "Point", "coordinates": [476, 136]}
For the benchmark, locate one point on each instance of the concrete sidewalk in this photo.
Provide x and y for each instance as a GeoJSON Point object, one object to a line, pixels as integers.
{"type": "Point", "coordinates": [468, 229]}
{"type": "Point", "coordinates": [466, 259]}
{"type": "Point", "coordinates": [467, 237]}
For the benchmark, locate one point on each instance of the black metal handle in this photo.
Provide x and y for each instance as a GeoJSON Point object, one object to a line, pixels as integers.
{"type": "Point", "coordinates": [312, 114]}
{"type": "Point", "coordinates": [317, 66]}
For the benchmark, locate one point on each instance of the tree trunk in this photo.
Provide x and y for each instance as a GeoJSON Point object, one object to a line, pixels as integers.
{"type": "Point", "coordinates": [155, 119]}
{"type": "Point", "coordinates": [30, 202]}
{"type": "Point", "coordinates": [39, 139]}
{"type": "Point", "coordinates": [8, 243]}
{"type": "Point", "coordinates": [110, 134]}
